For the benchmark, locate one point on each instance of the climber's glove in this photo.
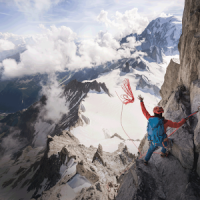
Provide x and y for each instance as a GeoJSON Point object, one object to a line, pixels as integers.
{"type": "Point", "coordinates": [186, 118]}
{"type": "Point", "coordinates": [140, 98]}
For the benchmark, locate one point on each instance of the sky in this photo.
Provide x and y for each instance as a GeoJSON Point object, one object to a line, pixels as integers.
{"type": "Point", "coordinates": [24, 16]}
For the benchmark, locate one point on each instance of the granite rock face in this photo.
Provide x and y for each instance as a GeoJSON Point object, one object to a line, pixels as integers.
{"type": "Point", "coordinates": [183, 144]}
{"type": "Point", "coordinates": [187, 73]}
{"type": "Point", "coordinates": [175, 177]}
{"type": "Point", "coordinates": [189, 44]}
{"type": "Point", "coordinates": [78, 170]}
{"type": "Point", "coordinates": [163, 178]}
{"type": "Point", "coordinates": [170, 84]}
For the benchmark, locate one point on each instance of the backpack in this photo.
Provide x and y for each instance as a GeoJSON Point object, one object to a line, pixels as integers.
{"type": "Point", "coordinates": [155, 130]}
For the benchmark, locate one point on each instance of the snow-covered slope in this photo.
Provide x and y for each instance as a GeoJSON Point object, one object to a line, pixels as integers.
{"type": "Point", "coordinates": [163, 32]}
{"type": "Point", "coordinates": [103, 112]}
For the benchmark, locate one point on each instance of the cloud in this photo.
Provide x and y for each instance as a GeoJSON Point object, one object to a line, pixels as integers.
{"type": "Point", "coordinates": [6, 45]}
{"type": "Point", "coordinates": [124, 24]}
{"type": "Point", "coordinates": [56, 104]}
{"type": "Point", "coordinates": [51, 52]}
{"type": "Point", "coordinates": [57, 50]}
{"type": "Point", "coordinates": [165, 15]}
{"type": "Point", "coordinates": [33, 8]}
{"type": "Point", "coordinates": [132, 43]}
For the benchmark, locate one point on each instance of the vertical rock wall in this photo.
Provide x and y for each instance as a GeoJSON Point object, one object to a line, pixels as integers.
{"type": "Point", "coordinates": [189, 44]}
{"type": "Point", "coordinates": [187, 74]}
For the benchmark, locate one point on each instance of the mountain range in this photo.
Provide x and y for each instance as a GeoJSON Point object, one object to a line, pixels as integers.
{"type": "Point", "coordinates": [82, 151]}
{"type": "Point", "coordinates": [19, 93]}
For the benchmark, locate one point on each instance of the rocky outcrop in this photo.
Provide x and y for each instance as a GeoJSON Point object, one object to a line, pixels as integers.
{"type": "Point", "coordinates": [183, 144]}
{"type": "Point", "coordinates": [170, 84]}
{"type": "Point", "coordinates": [117, 135]}
{"type": "Point", "coordinates": [126, 68]}
{"type": "Point", "coordinates": [78, 170]}
{"type": "Point", "coordinates": [146, 86]}
{"type": "Point", "coordinates": [87, 172]}
{"type": "Point", "coordinates": [187, 73]}
{"type": "Point", "coordinates": [158, 180]}
{"type": "Point", "coordinates": [139, 64]}
{"type": "Point", "coordinates": [194, 98]}
{"type": "Point", "coordinates": [155, 53]}
{"type": "Point", "coordinates": [98, 156]}
{"type": "Point", "coordinates": [189, 44]}
{"type": "Point", "coordinates": [32, 153]}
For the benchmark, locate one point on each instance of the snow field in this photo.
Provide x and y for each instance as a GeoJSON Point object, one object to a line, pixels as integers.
{"type": "Point", "coordinates": [104, 112]}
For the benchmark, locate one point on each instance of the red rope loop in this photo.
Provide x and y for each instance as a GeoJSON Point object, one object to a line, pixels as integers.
{"type": "Point", "coordinates": [128, 97]}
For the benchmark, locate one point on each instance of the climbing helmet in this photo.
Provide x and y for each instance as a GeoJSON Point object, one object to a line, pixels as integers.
{"type": "Point", "coordinates": [158, 110]}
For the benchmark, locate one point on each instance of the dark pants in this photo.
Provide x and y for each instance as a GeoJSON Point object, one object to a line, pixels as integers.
{"type": "Point", "coordinates": [152, 148]}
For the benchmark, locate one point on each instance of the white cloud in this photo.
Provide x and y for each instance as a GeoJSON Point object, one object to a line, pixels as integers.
{"type": "Point", "coordinates": [35, 7]}
{"type": "Point", "coordinates": [56, 104]}
{"type": "Point", "coordinates": [124, 24]}
{"type": "Point", "coordinates": [165, 15]}
{"type": "Point", "coordinates": [6, 45]}
{"type": "Point", "coordinates": [57, 50]}
{"type": "Point", "coordinates": [132, 43]}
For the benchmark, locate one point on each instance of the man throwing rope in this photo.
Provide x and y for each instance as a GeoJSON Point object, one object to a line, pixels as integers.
{"type": "Point", "coordinates": [157, 126]}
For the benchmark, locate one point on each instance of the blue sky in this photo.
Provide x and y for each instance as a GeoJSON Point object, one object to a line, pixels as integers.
{"type": "Point", "coordinates": [24, 16]}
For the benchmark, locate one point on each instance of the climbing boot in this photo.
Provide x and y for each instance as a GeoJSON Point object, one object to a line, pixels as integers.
{"type": "Point", "coordinates": [145, 162]}
{"type": "Point", "coordinates": [164, 154]}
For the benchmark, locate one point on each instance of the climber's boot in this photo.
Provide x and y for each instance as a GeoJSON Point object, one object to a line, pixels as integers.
{"type": "Point", "coordinates": [164, 154]}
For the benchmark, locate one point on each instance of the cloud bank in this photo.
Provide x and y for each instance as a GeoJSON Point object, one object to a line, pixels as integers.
{"type": "Point", "coordinates": [6, 45]}
{"type": "Point", "coordinates": [124, 24]}
{"type": "Point", "coordinates": [58, 49]}
{"type": "Point", "coordinates": [56, 104]}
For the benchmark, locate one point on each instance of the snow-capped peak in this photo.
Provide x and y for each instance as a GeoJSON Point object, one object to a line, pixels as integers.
{"type": "Point", "coordinates": [163, 32]}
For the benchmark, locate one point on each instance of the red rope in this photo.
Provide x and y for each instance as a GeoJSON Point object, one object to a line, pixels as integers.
{"type": "Point", "coordinates": [128, 97]}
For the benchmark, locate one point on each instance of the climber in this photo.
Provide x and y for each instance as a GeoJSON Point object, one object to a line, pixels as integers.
{"type": "Point", "coordinates": [163, 126]}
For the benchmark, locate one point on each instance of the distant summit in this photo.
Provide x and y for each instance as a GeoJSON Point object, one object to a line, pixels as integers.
{"type": "Point", "coordinates": [164, 33]}
{"type": "Point", "coordinates": [161, 36]}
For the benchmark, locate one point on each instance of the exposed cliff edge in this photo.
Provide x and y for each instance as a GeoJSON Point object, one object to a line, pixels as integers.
{"type": "Point", "coordinates": [175, 177]}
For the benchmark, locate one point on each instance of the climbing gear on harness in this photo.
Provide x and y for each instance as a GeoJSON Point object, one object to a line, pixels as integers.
{"type": "Point", "coordinates": [158, 110]}
{"type": "Point", "coordinates": [155, 129]}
